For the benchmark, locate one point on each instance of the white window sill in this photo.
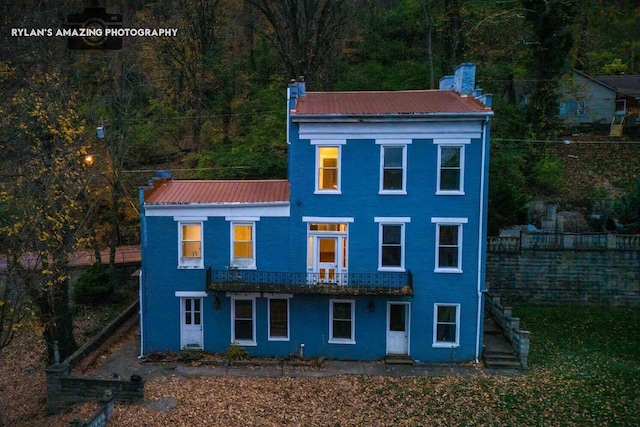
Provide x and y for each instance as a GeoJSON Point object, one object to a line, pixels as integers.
{"type": "Point", "coordinates": [251, 267]}
{"type": "Point", "coordinates": [392, 192]}
{"type": "Point", "coordinates": [445, 345]}
{"type": "Point", "coordinates": [448, 270]}
{"type": "Point", "coordinates": [341, 341]}
{"type": "Point", "coordinates": [190, 267]}
{"type": "Point", "coordinates": [245, 343]}
{"type": "Point", "coordinates": [327, 192]}
{"type": "Point", "coordinates": [449, 193]}
{"type": "Point", "coordinates": [278, 338]}
{"type": "Point", "coordinates": [392, 269]}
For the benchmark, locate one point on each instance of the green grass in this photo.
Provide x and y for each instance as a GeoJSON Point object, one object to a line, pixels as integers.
{"type": "Point", "coordinates": [585, 366]}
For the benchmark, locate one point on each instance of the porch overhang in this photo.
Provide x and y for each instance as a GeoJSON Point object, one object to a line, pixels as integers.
{"type": "Point", "coordinates": [346, 284]}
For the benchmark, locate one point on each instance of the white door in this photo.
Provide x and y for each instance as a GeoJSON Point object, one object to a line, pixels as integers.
{"type": "Point", "coordinates": [327, 264]}
{"type": "Point", "coordinates": [398, 328]}
{"type": "Point", "coordinates": [191, 323]}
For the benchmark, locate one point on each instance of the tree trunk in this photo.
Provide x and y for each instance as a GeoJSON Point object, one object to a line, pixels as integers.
{"type": "Point", "coordinates": [52, 300]}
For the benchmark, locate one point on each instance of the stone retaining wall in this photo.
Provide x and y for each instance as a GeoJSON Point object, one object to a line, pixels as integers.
{"type": "Point", "coordinates": [595, 277]}
{"type": "Point", "coordinates": [65, 390]}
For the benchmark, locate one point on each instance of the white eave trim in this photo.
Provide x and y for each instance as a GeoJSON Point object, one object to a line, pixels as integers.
{"type": "Point", "coordinates": [350, 118]}
{"type": "Point", "coordinates": [225, 210]}
{"type": "Point", "coordinates": [191, 294]}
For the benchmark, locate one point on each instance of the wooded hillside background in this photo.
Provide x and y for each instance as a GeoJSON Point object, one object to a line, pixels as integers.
{"type": "Point", "coordinates": [210, 102]}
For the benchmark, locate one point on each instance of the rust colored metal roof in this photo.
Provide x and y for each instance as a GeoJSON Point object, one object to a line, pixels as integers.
{"type": "Point", "coordinates": [388, 103]}
{"type": "Point", "coordinates": [181, 192]}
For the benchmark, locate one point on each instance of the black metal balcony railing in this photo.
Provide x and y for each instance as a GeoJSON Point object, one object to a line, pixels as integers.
{"type": "Point", "coordinates": [231, 280]}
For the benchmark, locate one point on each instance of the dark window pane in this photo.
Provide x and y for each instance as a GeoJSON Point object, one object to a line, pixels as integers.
{"type": "Point", "coordinates": [391, 234]}
{"type": "Point", "coordinates": [244, 330]}
{"type": "Point", "coordinates": [446, 333]}
{"type": "Point", "coordinates": [393, 157]}
{"type": "Point", "coordinates": [448, 257]}
{"type": "Point", "coordinates": [392, 179]}
{"type": "Point", "coordinates": [397, 317]}
{"type": "Point", "coordinates": [278, 320]}
{"type": "Point", "coordinates": [196, 318]}
{"type": "Point", "coordinates": [341, 329]}
{"type": "Point", "coordinates": [449, 235]}
{"type": "Point", "coordinates": [244, 309]}
{"type": "Point", "coordinates": [450, 157]}
{"type": "Point", "coordinates": [450, 179]}
{"type": "Point", "coordinates": [391, 256]}
{"type": "Point", "coordinates": [342, 310]}
{"type": "Point", "coordinates": [447, 314]}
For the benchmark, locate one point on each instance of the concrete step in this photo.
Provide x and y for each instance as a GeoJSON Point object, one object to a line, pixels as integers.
{"type": "Point", "coordinates": [502, 363]}
{"type": "Point", "coordinates": [398, 359]}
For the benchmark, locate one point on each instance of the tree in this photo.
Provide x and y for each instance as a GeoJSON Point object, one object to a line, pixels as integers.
{"type": "Point", "coordinates": [307, 34]}
{"type": "Point", "coordinates": [550, 23]}
{"type": "Point", "coordinates": [42, 152]}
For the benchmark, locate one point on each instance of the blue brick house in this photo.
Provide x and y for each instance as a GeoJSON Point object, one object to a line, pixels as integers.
{"type": "Point", "coordinates": [374, 245]}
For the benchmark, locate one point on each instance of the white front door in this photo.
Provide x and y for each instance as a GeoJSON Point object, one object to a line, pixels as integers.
{"type": "Point", "coordinates": [327, 264]}
{"type": "Point", "coordinates": [191, 323]}
{"type": "Point", "coordinates": [398, 328]}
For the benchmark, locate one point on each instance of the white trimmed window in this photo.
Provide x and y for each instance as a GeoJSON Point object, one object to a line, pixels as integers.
{"type": "Point", "coordinates": [190, 250]}
{"type": "Point", "coordinates": [243, 245]}
{"type": "Point", "coordinates": [391, 243]}
{"type": "Point", "coordinates": [450, 169]}
{"type": "Point", "coordinates": [278, 318]}
{"type": "Point", "coordinates": [446, 325]}
{"type": "Point", "coordinates": [342, 322]}
{"type": "Point", "coordinates": [448, 244]}
{"type": "Point", "coordinates": [393, 169]}
{"type": "Point", "coordinates": [328, 168]}
{"type": "Point", "coordinates": [243, 321]}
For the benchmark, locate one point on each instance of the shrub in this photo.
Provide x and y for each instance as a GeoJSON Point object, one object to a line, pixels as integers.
{"type": "Point", "coordinates": [94, 286]}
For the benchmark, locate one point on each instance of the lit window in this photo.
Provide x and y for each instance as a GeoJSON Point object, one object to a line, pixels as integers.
{"type": "Point", "coordinates": [393, 172]}
{"type": "Point", "coordinates": [328, 169]}
{"type": "Point", "coordinates": [342, 322]}
{"type": "Point", "coordinates": [446, 325]}
{"type": "Point", "coordinates": [278, 319]}
{"type": "Point", "coordinates": [190, 245]}
{"type": "Point", "coordinates": [243, 245]}
{"type": "Point", "coordinates": [243, 323]}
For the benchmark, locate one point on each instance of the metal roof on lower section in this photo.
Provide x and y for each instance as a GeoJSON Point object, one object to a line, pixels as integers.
{"type": "Point", "coordinates": [177, 192]}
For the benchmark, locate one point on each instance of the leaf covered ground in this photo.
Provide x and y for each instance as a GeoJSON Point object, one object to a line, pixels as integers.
{"type": "Point", "coordinates": [579, 377]}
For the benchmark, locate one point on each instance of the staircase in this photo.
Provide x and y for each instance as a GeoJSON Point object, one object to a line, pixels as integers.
{"type": "Point", "coordinates": [617, 126]}
{"type": "Point", "coordinates": [497, 352]}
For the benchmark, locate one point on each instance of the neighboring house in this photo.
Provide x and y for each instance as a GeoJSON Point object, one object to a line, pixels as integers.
{"type": "Point", "coordinates": [373, 246]}
{"type": "Point", "coordinates": [611, 101]}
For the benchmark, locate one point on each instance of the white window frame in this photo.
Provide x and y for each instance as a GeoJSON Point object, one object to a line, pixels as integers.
{"type": "Point", "coordinates": [190, 262]}
{"type": "Point", "coordinates": [455, 222]}
{"type": "Point", "coordinates": [285, 297]}
{"type": "Point", "coordinates": [445, 344]}
{"type": "Point", "coordinates": [389, 221]}
{"type": "Point", "coordinates": [351, 340]}
{"type": "Point", "coordinates": [403, 190]}
{"type": "Point", "coordinates": [250, 263]}
{"type": "Point", "coordinates": [246, 343]}
{"type": "Point", "coordinates": [316, 170]}
{"type": "Point", "coordinates": [446, 143]}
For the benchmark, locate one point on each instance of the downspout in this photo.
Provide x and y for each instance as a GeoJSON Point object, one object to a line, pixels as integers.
{"type": "Point", "coordinates": [141, 315]}
{"type": "Point", "coordinates": [481, 240]}
{"type": "Point", "coordinates": [288, 113]}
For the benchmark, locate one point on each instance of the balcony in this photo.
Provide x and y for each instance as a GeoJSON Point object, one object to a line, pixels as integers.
{"type": "Point", "coordinates": [231, 280]}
